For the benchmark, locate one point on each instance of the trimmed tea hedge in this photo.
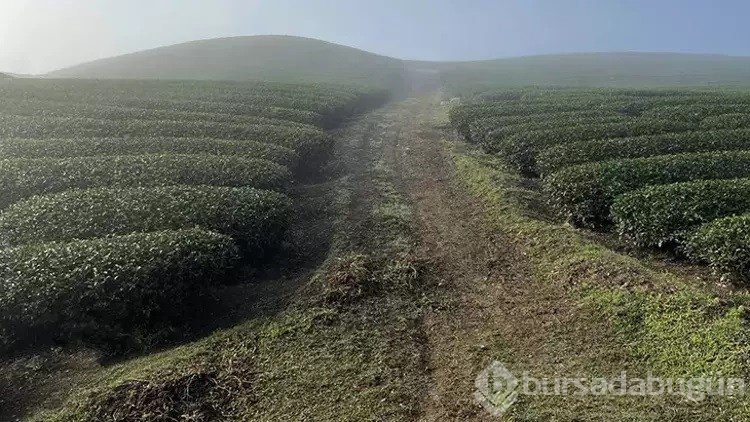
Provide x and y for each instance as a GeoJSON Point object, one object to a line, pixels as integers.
{"type": "Point", "coordinates": [520, 150]}
{"type": "Point", "coordinates": [566, 155]}
{"type": "Point", "coordinates": [503, 132]}
{"type": "Point", "coordinates": [695, 112]}
{"type": "Point", "coordinates": [480, 128]}
{"type": "Point", "coordinates": [724, 244]}
{"type": "Point", "coordinates": [461, 117]}
{"type": "Point", "coordinates": [561, 101]}
{"type": "Point", "coordinates": [305, 141]}
{"type": "Point", "coordinates": [321, 104]}
{"type": "Point", "coordinates": [102, 289]}
{"type": "Point", "coordinates": [727, 121]}
{"type": "Point", "coordinates": [584, 194]}
{"type": "Point", "coordinates": [661, 215]}
{"type": "Point", "coordinates": [83, 147]}
{"type": "Point", "coordinates": [21, 178]}
{"type": "Point", "coordinates": [134, 110]}
{"type": "Point", "coordinates": [256, 218]}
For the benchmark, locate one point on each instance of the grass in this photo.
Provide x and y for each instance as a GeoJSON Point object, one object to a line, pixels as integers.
{"type": "Point", "coordinates": [661, 322]}
{"type": "Point", "coordinates": [686, 334]}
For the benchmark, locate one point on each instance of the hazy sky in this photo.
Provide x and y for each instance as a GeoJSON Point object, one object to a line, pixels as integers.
{"type": "Point", "coordinates": [42, 35]}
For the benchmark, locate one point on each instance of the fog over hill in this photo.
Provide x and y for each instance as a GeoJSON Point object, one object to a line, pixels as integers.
{"type": "Point", "coordinates": [272, 58]}
{"type": "Point", "coordinates": [604, 69]}
{"type": "Point", "coordinates": [296, 59]}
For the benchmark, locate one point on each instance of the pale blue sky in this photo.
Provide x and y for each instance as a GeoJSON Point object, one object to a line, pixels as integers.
{"type": "Point", "coordinates": [41, 35]}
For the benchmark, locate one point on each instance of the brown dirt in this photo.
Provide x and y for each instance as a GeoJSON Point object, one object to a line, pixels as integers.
{"type": "Point", "coordinates": [491, 308]}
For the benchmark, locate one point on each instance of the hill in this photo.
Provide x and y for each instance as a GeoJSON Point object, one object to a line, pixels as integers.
{"type": "Point", "coordinates": [294, 59]}
{"type": "Point", "coordinates": [600, 69]}
{"type": "Point", "coordinates": [4, 76]}
{"type": "Point", "coordinates": [270, 58]}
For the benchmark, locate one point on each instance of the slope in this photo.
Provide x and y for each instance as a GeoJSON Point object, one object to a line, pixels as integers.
{"type": "Point", "coordinates": [599, 69]}
{"type": "Point", "coordinates": [295, 59]}
{"type": "Point", "coordinates": [270, 58]}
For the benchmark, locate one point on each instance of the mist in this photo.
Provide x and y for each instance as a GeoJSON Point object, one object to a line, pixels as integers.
{"type": "Point", "coordinates": [43, 35]}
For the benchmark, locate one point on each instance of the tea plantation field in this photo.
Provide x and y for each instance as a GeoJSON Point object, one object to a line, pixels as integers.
{"type": "Point", "coordinates": [665, 169]}
{"type": "Point", "coordinates": [122, 202]}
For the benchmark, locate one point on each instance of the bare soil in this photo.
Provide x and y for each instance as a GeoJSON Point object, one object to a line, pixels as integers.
{"type": "Point", "coordinates": [491, 308]}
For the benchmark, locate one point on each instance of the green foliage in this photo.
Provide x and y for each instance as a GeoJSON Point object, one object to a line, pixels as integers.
{"type": "Point", "coordinates": [545, 105]}
{"type": "Point", "coordinates": [479, 129]}
{"type": "Point", "coordinates": [255, 217]}
{"type": "Point", "coordinates": [59, 127]}
{"type": "Point", "coordinates": [687, 333]}
{"type": "Point", "coordinates": [101, 290]}
{"type": "Point", "coordinates": [238, 102]}
{"type": "Point", "coordinates": [166, 110]}
{"type": "Point", "coordinates": [696, 112]}
{"type": "Point", "coordinates": [727, 121]}
{"type": "Point", "coordinates": [21, 178]}
{"type": "Point", "coordinates": [662, 215]}
{"type": "Point", "coordinates": [661, 322]}
{"type": "Point", "coordinates": [583, 194]}
{"type": "Point", "coordinates": [724, 244]}
{"type": "Point", "coordinates": [461, 117]}
{"type": "Point", "coordinates": [594, 145]}
{"type": "Point", "coordinates": [84, 147]}
{"type": "Point", "coordinates": [103, 167]}
{"type": "Point", "coordinates": [556, 123]}
{"type": "Point", "coordinates": [521, 150]}
{"type": "Point", "coordinates": [308, 143]}
{"type": "Point", "coordinates": [566, 155]}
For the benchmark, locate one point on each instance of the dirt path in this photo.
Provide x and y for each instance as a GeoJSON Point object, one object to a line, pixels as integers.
{"type": "Point", "coordinates": [490, 309]}
{"type": "Point", "coordinates": [453, 232]}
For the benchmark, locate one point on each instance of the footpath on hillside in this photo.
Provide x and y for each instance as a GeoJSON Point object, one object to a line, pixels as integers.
{"type": "Point", "coordinates": [491, 311]}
